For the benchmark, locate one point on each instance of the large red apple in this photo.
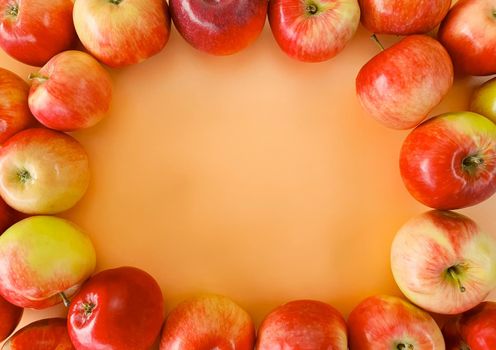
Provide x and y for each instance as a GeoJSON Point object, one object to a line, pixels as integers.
{"type": "Point", "coordinates": [46, 334]}
{"type": "Point", "coordinates": [120, 33]}
{"type": "Point", "coordinates": [32, 31]}
{"type": "Point", "coordinates": [478, 326]}
{"type": "Point", "coordinates": [402, 84]}
{"type": "Point", "coordinates": [469, 34]}
{"type": "Point", "coordinates": [219, 27]}
{"type": "Point", "coordinates": [452, 336]}
{"type": "Point", "coordinates": [403, 17]}
{"type": "Point", "coordinates": [120, 308]}
{"type": "Point", "coordinates": [449, 162]}
{"type": "Point", "coordinates": [303, 325]}
{"type": "Point", "coordinates": [443, 262]}
{"type": "Point", "coordinates": [71, 92]}
{"type": "Point", "coordinates": [208, 322]}
{"type": "Point", "coordinates": [313, 30]}
{"type": "Point", "coordinates": [10, 316]}
{"type": "Point", "coordinates": [43, 171]}
{"type": "Point", "coordinates": [390, 323]}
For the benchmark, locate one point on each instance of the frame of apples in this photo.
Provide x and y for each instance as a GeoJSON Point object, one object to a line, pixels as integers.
{"type": "Point", "coordinates": [446, 162]}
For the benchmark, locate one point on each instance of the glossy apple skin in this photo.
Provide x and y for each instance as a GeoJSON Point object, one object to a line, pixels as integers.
{"type": "Point", "coordinates": [384, 322]}
{"type": "Point", "coordinates": [483, 100]}
{"type": "Point", "coordinates": [121, 33]}
{"type": "Point", "coordinates": [449, 162]}
{"type": "Point", "coordinates": [478, 326]}
{"type": "Point", "coordinates": [208, 322]}
{"type": "Point", "coordinates": [126, 311]}
{"type": "Point", "coordinates": [46, 334]}
{"type": "Point", "coordinates": [13, 105]}
{"type": "Point", "coordinates": [452, 336]}
{"type": "Point", "coordinates": [469, 34]}
{"type": "Point", "coordinates": [42, 256]}
{"type": "Point", "coordinates": [303, 325]}
{"type": "Point", "coordinates": [10, 316]}
{"type": "Point", "coordinates": [430, 247]}
{"type": "Point", "coordinates": [402, 84]}
{"type": "Point", "coordinates": [43, 171]}
{"type": "Point", "coordinates": [71, 92]}
{"type": "Point", "coordinates": [219, 27]}
{"type": "Point", "coordinates": [40, 30]}
{"type": "Point", "coordinates": [403, 17]}
{"type": "Point", "coordinates": [313, 37]}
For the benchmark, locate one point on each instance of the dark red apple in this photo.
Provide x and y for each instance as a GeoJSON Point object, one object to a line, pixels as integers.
{"type": "Point", "coordinates": [47, 334]}
{"type": "Point", "coordinates": [452, 336]}
{"type": "Point", "coordinates": [219, 27]}
{"type": "Point", "coordinates": [119, 308]}
{"type": "Point", "coordinates": [8, 216]}
{"type": "Point", "coordinates": [478, 327]}
{"type": "Point", "coordinates": [10, 316]}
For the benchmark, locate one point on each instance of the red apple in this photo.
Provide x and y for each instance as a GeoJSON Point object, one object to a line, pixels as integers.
{"type": "Point", "coordinates": [120, 308]}
{"type": "Point", "coordinates": [452, 336]}
{"type": "Point", "coordinates": [10, 316]}
{"type": "Point", "coordinates": [32, 31]}
{"type": "Point", "coordinates": [219, 27]}
{"type": "Point", "coordinates": [443, 262]}
{"type": "Point", "coordinates": [208, 322]}
{"type": "Point", "coordinates": [8, 216]}
{"type": "Point", "coordinates": [71, 92]}
{"type": "Point", "coordinates": [46, 334]}
{"type": "Point", "coordinates": [120, 33]}
{"type": "Point", "coordinates": [402, 84]}
{"type": "Point", "coordinates": [478, 327]}
{"type": "Point", "coordinates": [386, 322]}
{"type": "Point", "coordinates": [449, 162]}
{"type": "Point", "coordinates": [313, 30]}
{"type": "Point", "coordinates": [403, 17]}
{"type": "Point", "coordinates": [469, 34]}
{"type": "Point", "coordinates": [14, 111]}
{"type": "Point", "coordinates": [43, 171]}
{"type": "Point", "coordinates": [303, 325]}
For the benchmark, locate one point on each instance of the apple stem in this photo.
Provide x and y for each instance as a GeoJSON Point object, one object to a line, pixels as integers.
{"type": "Point", "coordinates": [376, 40]}
{"type": "Point", "coordinates": [453, 273]}
{"type": "Point", "coordinates": [472, 162]}
{"type": "Point", "coordinates": [312, 9]}
{"type": "Point", "coordinates": [38, 77]}
{"type": "Point", "coordinates": [65, 299]}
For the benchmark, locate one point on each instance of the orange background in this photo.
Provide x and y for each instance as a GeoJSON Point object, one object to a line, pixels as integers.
{"type": "Point", "coordinates": [254, 176]}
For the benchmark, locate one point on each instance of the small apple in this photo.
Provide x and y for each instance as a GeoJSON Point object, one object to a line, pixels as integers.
{"type": "Point", "coordinates": [478, 326]}
{"type": "Point", "coordinates": [10, 316]}
{"type": "Point", "coordinates": [443, 262]}
{"type": "Point", "coordinates": [403, 17]}
{"type": "Point", "coordinates": [313, 30]}
{"type": "Point", "coordinates": [402, 84]}
{"type": "Point", "coordinates": [468, 32]}
{"type": "Point", "coordinates": [303, 325]}
{"type": "Point", "coordinates": [121, 308]}
{"type": "Point", "coordinates": [120, 33]}
{"type": "Point", "coordinates": [208, 322]}
{"type": "Point", "coordinates": [483, 100]}
{"type": "Point", "coordinates": [32, 31]}
{"type": "Point", "coordinates": [449, 161]}
{"type": "Point", "coordinates": [387, 322]}
{"type": "Point", "coordinates": [71, 92]}
{"type": "Point", "coordinates": [46, 334]}
{"type": "Point", "coordinates": [219, 27]}
{"type": "Point", "coordinates": [41, 257]}
{"type": "Point", "coordinates": [43, 171]}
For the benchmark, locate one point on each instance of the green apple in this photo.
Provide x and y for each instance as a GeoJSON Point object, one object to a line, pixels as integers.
{"type": "Point", "coordinates": [42, 256]}
{"type": "Point", "coordinates": [483, 100]}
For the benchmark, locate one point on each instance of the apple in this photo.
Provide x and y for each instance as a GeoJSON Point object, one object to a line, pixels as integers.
{"type": "Point", "coordinates": [386, 322]}
{"type": "Point", "coordinates": [14, 110]}
{"type": "Point", "coordinates": [468, 32]}
{"type": "Point", "coordinates": [120, 33]}
{"type": "Point", "coordinates": [313, 30]}
{"type": "Point", "coordinates": [120, 308]}
{"type": "Point", "coordinates": [303, 325]}
{"type": "Point", "coordinates": [219, 27]}
{"type": "Point", "coordinates": [403, 17]}
{"type": "Point", "coordinates": [443, 262]}
{"type": "Point", "coordinates": [452, 336]}
{"type": "Point", "coordinates": [208, 322]}
{"type": "Point", "coordinates": [483, 100]}
{"type": "Point", "coordinates": [41, 257]}
{"type": "Point", "coordinates": [478, 326]}
{"type": "Point", "coordinates": [32, 31]}
{"type": "Point", "coordinates": [43, 171]}
{"type": "Point", "coordinates": [402, 84]}
{"type": "Point", "coordinates": [8, 216]}
{"type": "Point", "coordinates": [10, 316]}
{"type": "Point", "coordinates": [71, 92]}
{"type": "Point", "coordinates": [46, 334]}
{"type": "Point", "coordinates": [449, 162]}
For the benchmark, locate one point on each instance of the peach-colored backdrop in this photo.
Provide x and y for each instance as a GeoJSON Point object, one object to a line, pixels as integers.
{"type": "Point", "coordinates": [254, 176]}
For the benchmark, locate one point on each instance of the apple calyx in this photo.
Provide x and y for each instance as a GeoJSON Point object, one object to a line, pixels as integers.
{"type": "Point", "coordinates": [38, 77]}
{"type": "Point", "coordinates": [377, 41]}
{"type": "Point", "coordinates": [115, 2]}
{"type": "Point", "coordinates": [311, 9]}
{"type": "Point", "coordinates": [454, 272]}
{"type": "Point", "coordinates": [12, 10]}
{"type": "Point", "coordinates": [471, 163]}
{"type": "Point", "coordinates": [88, 308]}
{"type": "Point", "coordinates": [404, 346]}
{"type": "Point", "coordinates": [23, 175]}
{"type": "Point", "coordinates": [65, 300]}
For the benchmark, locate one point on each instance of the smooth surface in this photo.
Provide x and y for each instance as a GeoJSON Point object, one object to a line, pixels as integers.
{"type": "Point", "coordinates": [253, 176]}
